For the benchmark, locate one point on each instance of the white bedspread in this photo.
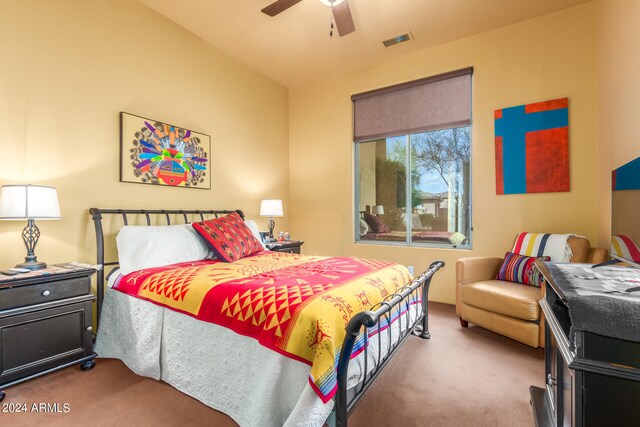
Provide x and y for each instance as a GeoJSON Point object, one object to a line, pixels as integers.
{"type": "Point", "coordinates": [226, 371]}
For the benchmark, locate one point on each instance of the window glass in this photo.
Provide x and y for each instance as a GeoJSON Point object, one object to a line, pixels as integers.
{"type": "Point", "coordinates": [432, 183]}
{"type": "Point", "coordinates": [383, 189]}
{"type": "Point", "coordinates": [441, 206]}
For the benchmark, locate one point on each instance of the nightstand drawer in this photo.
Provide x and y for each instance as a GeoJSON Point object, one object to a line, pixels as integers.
{"type": "Point", "coordinates": [287, 246]}
{"type": "Point", "coordinates": [49, 291]}
{"type": "Point", "coordinates": [294, 250]}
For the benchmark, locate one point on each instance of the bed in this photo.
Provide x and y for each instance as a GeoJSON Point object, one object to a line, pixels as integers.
{"type": "Point", "coordinates": [269, 339]}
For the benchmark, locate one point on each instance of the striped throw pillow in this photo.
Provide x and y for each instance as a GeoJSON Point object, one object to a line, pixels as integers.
{"type": "Point", "coordinates": [520, 269]}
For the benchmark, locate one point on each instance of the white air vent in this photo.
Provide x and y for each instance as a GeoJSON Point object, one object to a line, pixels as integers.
{"type": "Point", "coordinates": [398, 39]}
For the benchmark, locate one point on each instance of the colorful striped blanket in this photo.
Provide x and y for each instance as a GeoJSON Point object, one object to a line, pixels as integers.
{"type": "Point", "coordinates": [297, 305]}
{"type": "Point", "coordinates": [625, 247]}
{"type": "Point", "coordinates": [555, 246]}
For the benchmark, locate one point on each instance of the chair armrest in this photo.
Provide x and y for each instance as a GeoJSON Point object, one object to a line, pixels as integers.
{"type": "Point", "coordinates": [474, 269]}
{"type": "Point", "coordinates": [597, 255]}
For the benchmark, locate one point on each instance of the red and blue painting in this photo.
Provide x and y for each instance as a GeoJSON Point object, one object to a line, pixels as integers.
{"type": "Point", "coordinates": [626, 177]}
{"type": "Point", "coordinates": [158, 153]}
{"type": "Point", "coordinates": [532, 148]}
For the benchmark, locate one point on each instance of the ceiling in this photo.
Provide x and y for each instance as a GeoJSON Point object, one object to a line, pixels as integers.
{"type": "Point", "coordinates": [294, 47]}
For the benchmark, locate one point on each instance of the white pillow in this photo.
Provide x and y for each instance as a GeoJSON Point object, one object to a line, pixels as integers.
{"type": "Point", "coordinates": [256, 232]}
{"type": "Point", "coordinates": [141, 247]}
{"type": "Point", "coordinates": [364, 227]}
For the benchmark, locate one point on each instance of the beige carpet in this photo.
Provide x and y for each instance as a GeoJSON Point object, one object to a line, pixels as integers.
{"type": "Point", "coordinates": [461, 377]}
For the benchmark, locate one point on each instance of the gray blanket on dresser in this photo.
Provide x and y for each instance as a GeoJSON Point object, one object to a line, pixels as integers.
{"type": "Point", "coordinates": [599, 300]}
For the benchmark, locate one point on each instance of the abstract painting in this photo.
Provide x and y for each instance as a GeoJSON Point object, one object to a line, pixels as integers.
{"type": "Point", "coordinates": [532, 148]}
{"type": "Point", "coordinates": [158, 153]}
{"type": "Point", "coordinates": [627, 176]}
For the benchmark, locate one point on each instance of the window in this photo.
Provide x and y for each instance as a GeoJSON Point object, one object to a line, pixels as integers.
{"type": "Point", "coordinates": [413, 176]}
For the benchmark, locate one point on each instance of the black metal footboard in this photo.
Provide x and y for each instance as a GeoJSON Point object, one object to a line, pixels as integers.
{"type": "Point", "coordinates": [399, 304]}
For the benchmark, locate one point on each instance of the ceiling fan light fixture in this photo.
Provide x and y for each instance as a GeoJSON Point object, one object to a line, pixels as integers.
{"type": "Point", "coordinates": [330, 3]}
{"type": "Point", "coordinates": [340, 11]}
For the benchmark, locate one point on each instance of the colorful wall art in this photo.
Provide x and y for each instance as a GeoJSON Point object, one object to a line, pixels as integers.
{"type": "Point", "coordinates": [532, 148]}
{"type": "Point", "coordinates": [158, 153]}
{"type": "Point", "coordinates": [627, 176]}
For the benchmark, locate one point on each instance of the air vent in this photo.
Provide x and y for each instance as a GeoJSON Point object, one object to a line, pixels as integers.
{"type": "Point", "coordinates": [398, 39]}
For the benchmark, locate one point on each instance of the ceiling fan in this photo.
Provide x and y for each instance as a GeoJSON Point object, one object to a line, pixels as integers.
{"type": "Point", "coordinates": [340, 8]}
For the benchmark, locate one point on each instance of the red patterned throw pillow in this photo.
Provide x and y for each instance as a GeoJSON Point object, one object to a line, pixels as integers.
{"type": "Point", "coordinates": [228, 237]}
{"type": "Point", "coordinates": [520, 269]}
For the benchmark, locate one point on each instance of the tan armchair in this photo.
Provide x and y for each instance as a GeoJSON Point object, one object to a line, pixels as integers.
{"type": "Point", "coordinates": [507, 308]}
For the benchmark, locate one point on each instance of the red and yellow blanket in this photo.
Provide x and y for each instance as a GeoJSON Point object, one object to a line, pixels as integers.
{"type": "Point", "coordinates": [297, 305]}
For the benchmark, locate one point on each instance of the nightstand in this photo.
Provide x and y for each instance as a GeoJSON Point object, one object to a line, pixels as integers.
{"type": "Point", "coordinates": [288, 246]}
{"type": "Point", "coordinates": [45, 323]}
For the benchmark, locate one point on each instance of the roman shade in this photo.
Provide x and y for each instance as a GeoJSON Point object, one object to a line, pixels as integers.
{"type": "Point", "coordinates": [437, 102]}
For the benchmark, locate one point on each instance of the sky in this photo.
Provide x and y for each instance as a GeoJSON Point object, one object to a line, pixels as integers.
{"type": "Point", "coordinates": [430, 181]}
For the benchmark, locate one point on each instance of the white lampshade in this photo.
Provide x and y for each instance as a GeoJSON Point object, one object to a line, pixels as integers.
{"type": "Point", "coordinates": [271, 207]}
{"type": "Point", "coordinates": [20, 202]}
{"type": "Point", "coordinates": [379, 210]}
{"type": "Point", "coordinates": [331, 2]}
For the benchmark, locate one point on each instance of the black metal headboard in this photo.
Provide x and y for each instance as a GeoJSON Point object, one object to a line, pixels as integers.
{"type": "Point", "coordinates": [96, 215]}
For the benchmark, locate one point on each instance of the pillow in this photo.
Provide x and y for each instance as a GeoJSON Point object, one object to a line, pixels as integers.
{"type": "Point", "coordinates": [625, 247]}
{"type": "Point", "coordinates": [416, 222]}
{"type": "Point", "coordinates": [376, 224]}
{"type": "Point", "coordinates": [228, 237]}
{"type": "Point", "coordinates": [520, 269]}
{"type": "Point", "coordinates": [141, 247]}
{"type": "Point", "coordinates": [364, 227]}
{"type": "Point", "coordinates": [256, 232]}
{"type": "Point", "coordinates": [457, 238]}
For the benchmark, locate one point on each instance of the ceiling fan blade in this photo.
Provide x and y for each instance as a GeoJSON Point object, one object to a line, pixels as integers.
{"type": "Point", "coordinates": [343, 18]}
{"type": "Point", "coordinates": [279, 6]}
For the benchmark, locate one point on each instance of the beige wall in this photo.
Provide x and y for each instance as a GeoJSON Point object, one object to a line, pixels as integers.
{"type": "Point", "coordinates": [618, 64]}
{"type": "Point", "coordinates": [70, 66]}
{"type": "Point", "coordinates": [548, 57]}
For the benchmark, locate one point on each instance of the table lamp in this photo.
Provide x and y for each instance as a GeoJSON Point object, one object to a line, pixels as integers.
{"type": "Point", "coordinates": [271, 208]}
{"type": "Point", "coordinates": [29, 202]}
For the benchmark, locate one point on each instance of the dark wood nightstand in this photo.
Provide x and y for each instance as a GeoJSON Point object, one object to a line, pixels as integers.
{"type": "Point", "coordinates": [288, 246]}
{"type": "Point", "coordinates": [45, 323]}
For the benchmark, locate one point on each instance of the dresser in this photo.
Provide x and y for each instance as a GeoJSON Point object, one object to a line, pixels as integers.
{"type": "Point", "coordinates": [592, 356]}
{"type": "Point", "coordinates": [45, 323]}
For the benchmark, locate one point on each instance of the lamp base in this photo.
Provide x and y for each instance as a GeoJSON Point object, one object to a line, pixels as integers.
{"type": "Point", "coordinates": [30, 236]}
{"type": "Point", "coordinates": [271, 225]}
{"type": "Point", "coordinates": [32, 265]}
